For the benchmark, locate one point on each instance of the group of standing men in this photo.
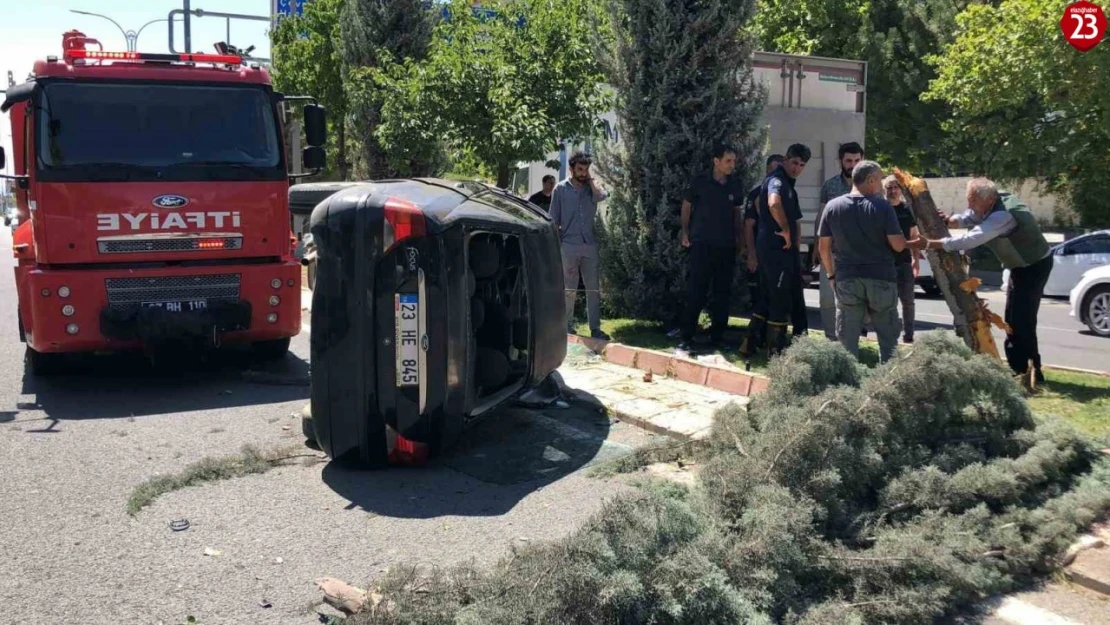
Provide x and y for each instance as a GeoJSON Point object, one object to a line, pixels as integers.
{"type": "Point", "coordinates": [868, 243]}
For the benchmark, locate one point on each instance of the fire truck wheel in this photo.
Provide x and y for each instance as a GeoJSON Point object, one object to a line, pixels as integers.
{"type": "Point", "coordinates": [272, 350]}
{"type": "Point", "coordinates": [40, 364]}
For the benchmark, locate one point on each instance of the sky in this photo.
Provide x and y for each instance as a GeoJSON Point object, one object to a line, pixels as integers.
{"type": "Point", "coordinates": [33, 30]}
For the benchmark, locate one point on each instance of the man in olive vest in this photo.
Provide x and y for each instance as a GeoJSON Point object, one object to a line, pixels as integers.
{"type": "Point", "coordinates": [1003, 224]}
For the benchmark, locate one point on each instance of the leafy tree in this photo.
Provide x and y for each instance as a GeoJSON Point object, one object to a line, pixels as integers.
{"type": "Point", "coordinates": [1024, 103]}
{"type": "Point", "coordinates": [307, 62]}
{"type": "Point", "coordinates": [895, 37]}
{"type": "Point", "coordinates": [683, 77]}
{"type": "Point", "coordinates": [503, 86]}
{"type": "Point", "coordinates": [376, 35]}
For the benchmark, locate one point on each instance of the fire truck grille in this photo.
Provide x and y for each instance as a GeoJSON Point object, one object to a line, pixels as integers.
{"type": "Point", "coordinates": [132, 246]}
{"type": "Point", "coordinates": [125, 292]}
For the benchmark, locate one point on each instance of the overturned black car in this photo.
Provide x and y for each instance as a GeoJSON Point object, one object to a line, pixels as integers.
{"type": "Point", "coordinates": [434, 303]}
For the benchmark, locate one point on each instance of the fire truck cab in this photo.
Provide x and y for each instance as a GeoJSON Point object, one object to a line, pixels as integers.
{"type": "Point", "coordinates": [151, 196]}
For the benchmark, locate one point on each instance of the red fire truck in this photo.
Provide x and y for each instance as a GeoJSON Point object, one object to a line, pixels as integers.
{"type": "Point", "coordinates": [152, 198]}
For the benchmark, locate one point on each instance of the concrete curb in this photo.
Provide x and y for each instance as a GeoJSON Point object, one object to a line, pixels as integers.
{"type": "Point", "coordinates": [1104, 374]}
{"type": "Point", "coordinates": [691, 371]}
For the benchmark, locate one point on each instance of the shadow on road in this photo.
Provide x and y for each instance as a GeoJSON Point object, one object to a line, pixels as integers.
{"type": "Point", "coordinates": [128, 385]}
{"type": "Point", "coordinates": [497, 463]}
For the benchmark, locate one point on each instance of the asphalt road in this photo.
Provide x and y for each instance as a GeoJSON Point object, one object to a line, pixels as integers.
{"type": "Point", "coordinates": [1064, 341]}
{"type": "Point", "coordinates": [73, 448]}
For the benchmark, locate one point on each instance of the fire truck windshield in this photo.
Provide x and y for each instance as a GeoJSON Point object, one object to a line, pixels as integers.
{"type": "Point", "coordinates": [152, 131]}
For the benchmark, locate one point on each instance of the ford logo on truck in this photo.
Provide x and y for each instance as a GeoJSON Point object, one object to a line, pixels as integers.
{"type": "Point", "coordinates": [170, 201]}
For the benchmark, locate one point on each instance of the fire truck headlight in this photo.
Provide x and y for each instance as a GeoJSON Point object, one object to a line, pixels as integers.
{"type": "Point", "coordinates": [272, 318]}
{"type": "Point", "coordinates": [63, 291]}
{"type": "Point", "coordinates": [68, 310]}
{"type": "Point", "coordinates": [276, 283]}
{"type": "Point", "coordinates": [72, 328]}
{"type": "Point", "coordinates": [274, 300]}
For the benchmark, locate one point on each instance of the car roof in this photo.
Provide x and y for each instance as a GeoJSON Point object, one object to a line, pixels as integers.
{"type": "Point", "coordinates": [1084, 236]}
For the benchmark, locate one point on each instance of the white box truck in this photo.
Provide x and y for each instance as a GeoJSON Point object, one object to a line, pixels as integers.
{"type": "Point", "coordinates": [820, 102]}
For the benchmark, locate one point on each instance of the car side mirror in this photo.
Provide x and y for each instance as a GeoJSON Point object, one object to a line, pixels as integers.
{"type": "Point", "coordinates": [314, 158]}
{"type": "Point", "coordinates": [2, 157]}
{"type": "Point", "coordinates": [315, 125]}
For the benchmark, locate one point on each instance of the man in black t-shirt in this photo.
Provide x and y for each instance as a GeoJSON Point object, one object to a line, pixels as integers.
{"type": "Point", "coordinates": [755, 283]}
{"type": "Point", "coordinates": [776, 245]}
{"type": "Point", "coordinates": [542, 198]}
{"type": "Point", "coordinates": [712, 211]}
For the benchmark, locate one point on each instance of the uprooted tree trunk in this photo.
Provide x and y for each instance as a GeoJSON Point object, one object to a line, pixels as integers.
{"type": "Point", "coordinates": [971, 316]}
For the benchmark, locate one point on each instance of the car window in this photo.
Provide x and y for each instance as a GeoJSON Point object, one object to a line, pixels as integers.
{"type": "Point", "coordinates": [1090, 245]}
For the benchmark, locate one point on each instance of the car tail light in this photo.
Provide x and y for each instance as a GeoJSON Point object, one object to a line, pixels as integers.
{"type": "Point", "coordinates": [407, 452]}
{"type": "Point", "coordinates": [403, 220]}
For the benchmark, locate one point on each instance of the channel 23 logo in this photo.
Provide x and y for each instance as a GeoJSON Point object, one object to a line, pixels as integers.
{"type": "Point", "coordinates": [1083, 25]}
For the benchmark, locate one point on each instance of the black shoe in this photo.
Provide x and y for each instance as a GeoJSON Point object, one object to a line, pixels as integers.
{"type": "Point", "coordinates": [908, 339]}
{"type": "Point", "coordinates": [571, 330]}
{"type": "Point", "coordinates": [1038, 375]}
{"type": "Point", "coordinates": [863, 333]}
{"type": "Point", "coordinates": [600, 335]}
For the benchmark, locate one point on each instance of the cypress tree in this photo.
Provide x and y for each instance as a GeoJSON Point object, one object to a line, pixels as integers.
{"type": "Point", "coordinates": [683, 78]}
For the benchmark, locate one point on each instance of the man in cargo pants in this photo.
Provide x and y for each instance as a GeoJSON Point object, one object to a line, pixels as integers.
{"type": "Point", "coordinates": [574, 209]}
{"type": "Point", "coordinates": [777, 247]}
{"type": "Point", "coordinates": [755, 281]}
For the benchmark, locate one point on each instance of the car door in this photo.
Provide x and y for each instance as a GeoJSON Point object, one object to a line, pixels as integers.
{"type": "Point", "coordinates": [1075, 258]}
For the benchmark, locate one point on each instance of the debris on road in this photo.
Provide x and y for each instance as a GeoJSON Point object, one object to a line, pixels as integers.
{"type": "Point", "coordinates": [179, 525]}
{"type": "Point", "coordinates": [215, 553]}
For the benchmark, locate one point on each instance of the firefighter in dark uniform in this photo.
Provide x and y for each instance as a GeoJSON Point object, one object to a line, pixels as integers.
{"type": "Point", "coordinates": [777, 250]}
{"type": "Point", "coordinates": [755, 282]}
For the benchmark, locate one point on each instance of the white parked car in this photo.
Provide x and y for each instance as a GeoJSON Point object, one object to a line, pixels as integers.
{"type": "Point", "coordinates": [1090, 300]}
{"type": "Point", "coordinates": [1071, 260]}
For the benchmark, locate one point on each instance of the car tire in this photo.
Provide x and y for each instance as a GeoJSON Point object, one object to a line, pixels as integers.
{"type": "Point", "coordinates": [272, 350]}
{"type": "Point", "coordinates": [1096, 310]}
{"type": "Point", "coordinates": [40, 364]}
{"type": "Point", "coordinates": [932, 290]}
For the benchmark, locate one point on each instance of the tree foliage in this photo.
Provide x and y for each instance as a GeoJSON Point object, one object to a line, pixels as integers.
{"type": "Point", "coordinates": [682, 73]}
{"type": "Point", "coordinates": [903, 495]}
{"type": "Point", "coordinates": [502, 87]}
{"type": "Point", "coordinates": [377, 35]}
{"type": "Point", "coordinates": [895, 37]}
{"type": "Point", "coordinates": [307, 61]}
{"type": "Point", "coordinates": [1024, 103]}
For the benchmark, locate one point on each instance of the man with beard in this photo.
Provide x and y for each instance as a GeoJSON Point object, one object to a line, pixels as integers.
{"type": "Point", "coordinates": [574, 209]}
{"type": "Point", "coordinates": [849, 155]}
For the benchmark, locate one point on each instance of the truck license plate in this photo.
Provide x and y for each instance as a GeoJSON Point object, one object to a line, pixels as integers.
{"type": "Point", "coordinates": [407, 326]}
{"type": "Point", "coordinates": [191, 305]}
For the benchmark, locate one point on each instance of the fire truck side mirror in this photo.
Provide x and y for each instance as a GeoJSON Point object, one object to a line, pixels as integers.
{"type": "Point", "coordinates": [314, 158]}
{"type": "Point", "coordinates": [315, 125]}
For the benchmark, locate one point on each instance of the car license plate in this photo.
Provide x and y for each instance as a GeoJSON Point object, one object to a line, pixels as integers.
{"type": "Point", "coordinates": [191, 305]}
{"type": "Point", "coordinates": [407, 327]}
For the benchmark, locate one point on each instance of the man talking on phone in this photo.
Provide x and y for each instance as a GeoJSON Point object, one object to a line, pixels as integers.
{"type": "Point", "coordinates": [574, 209]}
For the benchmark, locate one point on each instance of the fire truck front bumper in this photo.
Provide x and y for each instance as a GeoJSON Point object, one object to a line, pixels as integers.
{"type": "Point", "coordinates": [151, 324]}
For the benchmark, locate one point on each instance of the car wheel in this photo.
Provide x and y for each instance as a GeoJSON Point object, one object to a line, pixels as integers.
{"type": "Point", "coordinates": [272, 350]}
{"type": "Point", "coordinates": [40, 364]}
{"type": "Point", "coordinates": [932, 290]}
{"type": "Point", "coordinates": [1097, 307]}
